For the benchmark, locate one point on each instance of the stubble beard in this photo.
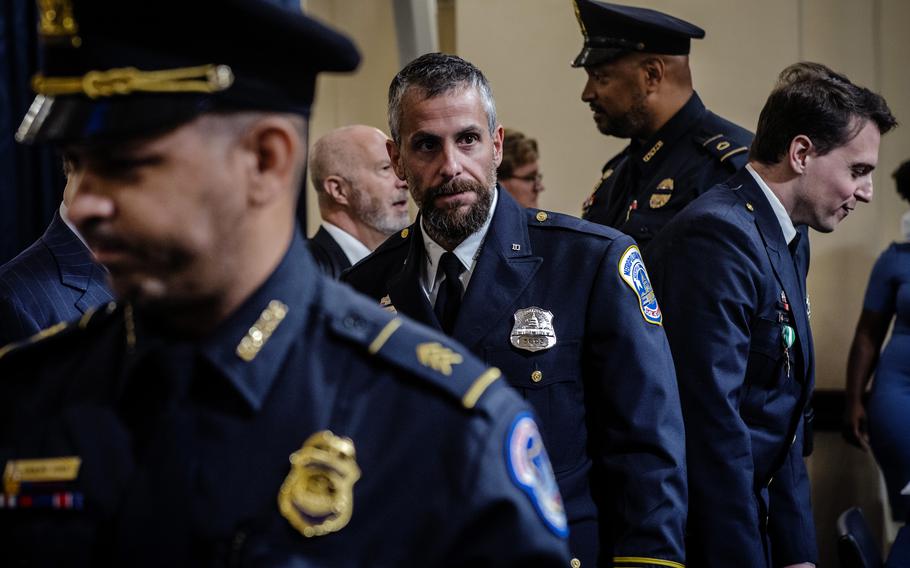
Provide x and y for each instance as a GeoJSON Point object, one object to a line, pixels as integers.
{"type": "Point", "coordinates": [378, 214]}
{"type": "Point", "coordinates": [633, 123]}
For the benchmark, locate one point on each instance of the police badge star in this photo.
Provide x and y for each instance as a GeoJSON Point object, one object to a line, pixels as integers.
{"type": "Point", "coordinates": [533, 329]}
{"type": "Point", "coordinates": [317, 497]}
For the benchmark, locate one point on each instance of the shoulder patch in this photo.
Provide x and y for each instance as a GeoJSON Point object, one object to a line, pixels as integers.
{"type": "Point", "coordinates": [632, 271]}
{"type": "Point", "coordinates": [725, 149]}
{"type": "Point", "coordinates": [530, 469]}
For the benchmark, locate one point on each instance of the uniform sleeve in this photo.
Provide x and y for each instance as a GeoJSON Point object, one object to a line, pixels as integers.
{"type": "Point", "coordinates": [633, 403]}
{"type": "Point", "coordinates": [705, 284]}
{"type": "Point", "coordinates": [881, 293]}
{"type": "Point", "coordinates": [791, 526]}
{"type": "Point", "coordinates": [511, 500]}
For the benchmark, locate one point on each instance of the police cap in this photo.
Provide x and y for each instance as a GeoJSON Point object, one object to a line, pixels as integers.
{"type": "Point", "coordinates": [613, 30]}
{"type": "Point", "coordinates": [113, 69]}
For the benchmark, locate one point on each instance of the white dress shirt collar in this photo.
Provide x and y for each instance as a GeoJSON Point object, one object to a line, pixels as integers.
{"type": "Point", "coordinates": [353, 248]}
{"type": "Point", "coordinates": [786, 225]}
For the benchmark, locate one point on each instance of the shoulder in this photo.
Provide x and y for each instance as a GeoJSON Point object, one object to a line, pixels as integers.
{"type": "Point", "coordinates": [426, 359]}
{"type": "Point", "coordinates": [58, 336]}
{"type": "Point", "coordinates": [718, 215]}
{"type": "Point", "coordinates": [614, 161]}
{"type": "Point", "coordinates": [724, 142]}
{"type": "Point", "coordinates": [381, 264]}
{"type": "Point", "coordinates": [548, 221]}
{"type": "Point", "coordinates": [28, 264]}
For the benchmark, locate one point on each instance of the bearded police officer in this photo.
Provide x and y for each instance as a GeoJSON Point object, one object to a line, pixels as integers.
{"type": "Point", "coordinates": [640, 87]}
{"type": "Point", "coordinates": [235, 407]}
{"type": "Point", "coordinates": [583, 343]}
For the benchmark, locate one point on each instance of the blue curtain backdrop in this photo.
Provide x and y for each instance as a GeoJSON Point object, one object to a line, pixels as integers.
{"type": "Point", "coordinates": [31, 179]}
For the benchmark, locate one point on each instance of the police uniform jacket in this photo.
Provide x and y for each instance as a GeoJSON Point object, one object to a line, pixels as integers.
{"type": "Point", "coordinates": [649, 182]}
{"type": "Point", "coordinates": [734, 302]}
{"type": "Point", "coordinates": [605, 392]}
{"type": "Point", "coordinates": [280, 440]}
{"type": "Point", "coordinates": [55, 279]}
{"type": "Point", "coordinates": [328, 254]}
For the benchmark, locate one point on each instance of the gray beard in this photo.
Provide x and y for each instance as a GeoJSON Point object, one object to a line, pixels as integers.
{"type": "Point", "coordinates": [448, 227]}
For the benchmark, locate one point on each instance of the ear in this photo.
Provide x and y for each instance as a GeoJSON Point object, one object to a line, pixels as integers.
{"type": "Point", "coordinates": [395, 158]}
{"type": "Point", "coordinates": [800, 150]}
{"type": "Point", "coordinates": [653, 71]}
{"type": "Point", "coordinates": [337, 188]}
{"type": "Point", "coordinates": [274, 145]}
{"type": "Point", "coordinates": [498, 135]}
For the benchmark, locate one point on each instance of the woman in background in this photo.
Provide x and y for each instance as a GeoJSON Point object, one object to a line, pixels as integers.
{"type": "Point", "coordinates": [519, 172]}
{"type": "Point", "coordinates": [886, 426]}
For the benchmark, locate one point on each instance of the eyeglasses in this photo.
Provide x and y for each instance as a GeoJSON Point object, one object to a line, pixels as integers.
{"type": "Point", "coordinates": [536, 177]}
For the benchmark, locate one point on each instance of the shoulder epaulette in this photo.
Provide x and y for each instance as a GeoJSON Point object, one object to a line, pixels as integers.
{"type": "Point", "coordinates": [725, 149]}
{"type": "Point", "coordinates": [394, 242]}
{"type": "Point", "coordinates": [430, 356]}
{"type": "Point", "coordinates": [61, 329]}
{"type": "Point", "coordinates": [548, 219]}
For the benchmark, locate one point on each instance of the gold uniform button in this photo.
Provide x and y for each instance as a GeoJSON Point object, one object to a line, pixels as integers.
{"type": "Point", "coordinates": [575, 563]}
{"type": "Point", "coordinates": [750, 207]}
{"type": "Point", "coordinates": [536, 376]}
{"type": "Point", "coordinates": [404, 233]}
{"type": "Point", "coordinates": [541, 216]}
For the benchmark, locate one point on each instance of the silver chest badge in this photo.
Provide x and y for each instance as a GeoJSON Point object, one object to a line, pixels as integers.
{"type": "Point", "coordinates": [533, 329]}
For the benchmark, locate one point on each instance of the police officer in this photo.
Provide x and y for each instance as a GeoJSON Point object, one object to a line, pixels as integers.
{"type": "Point", "coordinates": [640, 87]}
{"type": "Point", "coordinates": [235, 407]}
{"type": "Point", "coordinates": [733, 289]}
{"type": "Point", "coordinates": [583, 343]}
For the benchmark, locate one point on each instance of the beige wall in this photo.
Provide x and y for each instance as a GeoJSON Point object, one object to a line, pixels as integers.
{"type": "Point", "coordinates": [524, 47]}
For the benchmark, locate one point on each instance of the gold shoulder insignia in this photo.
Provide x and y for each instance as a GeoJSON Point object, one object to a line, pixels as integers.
{"type": "Point", "coordinates": [438, 357]}
{"type": "Point", "coordinates": [41, 335]}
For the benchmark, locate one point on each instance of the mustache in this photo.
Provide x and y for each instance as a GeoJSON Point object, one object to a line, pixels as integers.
{"type": "Point", "coordinates": [102, 237]}
{"type": "Point", "coordinates": [595, 108]}
{"type": "Point", "coordinates": [451, 187]}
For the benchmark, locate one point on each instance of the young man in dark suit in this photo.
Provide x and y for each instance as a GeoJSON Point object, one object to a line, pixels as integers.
{"type": "Point", "coordinates": [730, 277]}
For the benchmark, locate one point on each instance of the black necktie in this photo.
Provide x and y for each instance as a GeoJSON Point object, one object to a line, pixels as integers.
{"type": "Point", "coordinates": [448, 300]}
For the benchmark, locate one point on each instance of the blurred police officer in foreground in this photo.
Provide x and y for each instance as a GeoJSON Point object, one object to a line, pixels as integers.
{"type": "Point", "coordinates": [562, 306]}
{"type": "Point", "coordinates": [361, 200]}
{"type": "Point", "coordinates": [235, 407]}
{"type": "Point", "coordinates": [640, 87]}
{"type": "Point", "coordinates": [737, 315]}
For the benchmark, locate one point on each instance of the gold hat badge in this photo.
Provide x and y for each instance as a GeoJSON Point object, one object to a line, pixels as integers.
{"type": "Point", "coordinates": [317, 497]}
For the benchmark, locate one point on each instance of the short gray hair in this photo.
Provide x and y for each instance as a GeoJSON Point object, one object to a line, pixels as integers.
{"type": "Point", "coordinates": [436, 74]}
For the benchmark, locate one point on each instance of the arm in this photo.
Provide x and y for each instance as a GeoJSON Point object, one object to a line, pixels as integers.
{"type": "Point", "coordinates": [635, 423]}
{"type": "Point", "coordinates": [510, 515]}
{"type": "Point", "coordinates": [864, 353]}
{"type": "Point", "coordinates": [791, 525]}
{"type": "Point", "coordinates": [706, 278]}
